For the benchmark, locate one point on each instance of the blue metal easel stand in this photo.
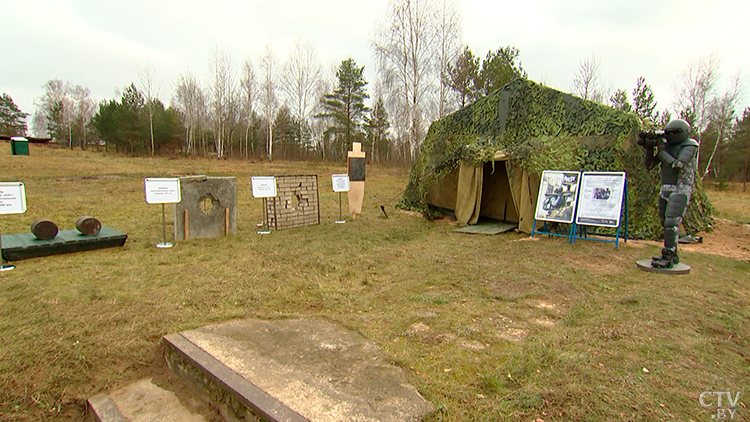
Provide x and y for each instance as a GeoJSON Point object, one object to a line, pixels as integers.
{"type": "Point", "coordinates": [570, 236]}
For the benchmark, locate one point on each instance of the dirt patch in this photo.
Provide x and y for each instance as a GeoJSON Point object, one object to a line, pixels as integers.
{"type": "Point", "coordinates": [87, 178]}
{"type": "Point", "coordinates": [728, 239]}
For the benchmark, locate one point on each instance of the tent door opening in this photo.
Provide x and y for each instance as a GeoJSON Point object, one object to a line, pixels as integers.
{"type": "Point", "coordinates": [497, 198]}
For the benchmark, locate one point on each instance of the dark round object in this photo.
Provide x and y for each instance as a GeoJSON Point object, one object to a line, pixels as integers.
{"type": "Point", "coordinates": [44, 229]}
{"type": "Point", "coordinates": [88, 226]}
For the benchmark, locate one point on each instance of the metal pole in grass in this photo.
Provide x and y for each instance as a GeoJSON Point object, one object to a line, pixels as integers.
{"type": "Point", "coordinates": [264, 225]}
{"type": "Point", "coordinates": [163, 191]}
{"type": "Point", "coordinates": [3, 267]}
{"type": "Point", "coordinates": [341, 216]}
{"type": "Point", "coordinates": [340, 185]}
{"type": "Point", "coordinates": [164, 244]}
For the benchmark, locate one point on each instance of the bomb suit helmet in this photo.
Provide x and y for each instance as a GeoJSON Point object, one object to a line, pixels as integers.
{"type": "Point", "coordinates": [677, 131]}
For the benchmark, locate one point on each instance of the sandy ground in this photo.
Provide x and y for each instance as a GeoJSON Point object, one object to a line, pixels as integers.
{"type": "Point", "coordinates": [727, 239]}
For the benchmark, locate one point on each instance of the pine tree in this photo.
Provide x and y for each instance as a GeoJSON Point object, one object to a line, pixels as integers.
{"type": "Point", "coordinates": [619, 100]}
{"type": "Point", "coordinates": [345, 107]}
{"type": "Point", "coordinates": [643, 101]}
{"type": "Point", "coordinates": [12, 119]}
{"type": "Point", "coordinates": [463, 76]}
{"type": "Point", "coordinates": [499, 68]}
{"type": "Point", "coordinates": [377, 132]}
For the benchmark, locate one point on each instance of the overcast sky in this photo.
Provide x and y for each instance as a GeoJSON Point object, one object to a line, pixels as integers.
{"type": "Point", "coordinates": [103, 44]}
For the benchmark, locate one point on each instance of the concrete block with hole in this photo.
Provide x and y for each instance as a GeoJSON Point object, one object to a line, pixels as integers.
{"type": "Point", "coordinates": [208, 207]}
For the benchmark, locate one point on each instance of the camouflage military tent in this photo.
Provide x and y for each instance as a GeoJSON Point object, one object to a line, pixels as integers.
{"type": "Point", "coordinates": [486, 159]}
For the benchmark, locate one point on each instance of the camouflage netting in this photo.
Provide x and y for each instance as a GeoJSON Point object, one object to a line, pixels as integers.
{"type": "Point", "coordinates": [542, 128]}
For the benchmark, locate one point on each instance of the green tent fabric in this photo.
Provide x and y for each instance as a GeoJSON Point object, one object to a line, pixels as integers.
{"type": "Point", "coordinates": [523, 129]}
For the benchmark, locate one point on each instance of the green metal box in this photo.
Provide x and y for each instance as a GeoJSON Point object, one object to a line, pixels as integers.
{"type": "Point", "coordinates": [19, 146]}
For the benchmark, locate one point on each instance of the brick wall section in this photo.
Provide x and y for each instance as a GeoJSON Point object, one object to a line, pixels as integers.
{"type": "Point", "coordinates": [296, 203]}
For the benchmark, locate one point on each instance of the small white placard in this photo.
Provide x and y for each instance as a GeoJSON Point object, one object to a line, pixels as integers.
{"type": "Point", "coordinates": [600, 201]}
{"type": "Point", "coordinates": [12, 198]}
{"type": "Point", "coordinates": [264, 186]}
{"type": "Point", "coordinates": [162, 190]}
{"type": "Point", "coordinates": [340, 182]}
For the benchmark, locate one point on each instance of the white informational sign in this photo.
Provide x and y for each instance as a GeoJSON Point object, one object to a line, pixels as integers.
{"type": "Point", "coordinates": [264, 186]}
{"type": "Point", "coordinates": [558, 193]}
{"type": "Point", "coordinates": [600, 201]}
{"type": "Point", "coordinates": [162, 190]}
{"type": "Point", "coordinates": [340, 182]}
{"type": "Point", "coordinates": [12, 198]}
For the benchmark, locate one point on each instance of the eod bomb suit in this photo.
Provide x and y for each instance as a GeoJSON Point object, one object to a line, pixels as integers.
{"type": "Point", "coordinates": [676, 152]}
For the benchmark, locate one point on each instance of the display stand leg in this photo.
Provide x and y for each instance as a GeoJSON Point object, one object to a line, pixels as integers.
{"type": "Point", "coordinates": [3, 267]}
{"type": "Point", "coordinates": [164, 244]}
{"type": "Point", "coordinates": [264, 226]}
{"type": "Point", "coordinates": [341, 217]}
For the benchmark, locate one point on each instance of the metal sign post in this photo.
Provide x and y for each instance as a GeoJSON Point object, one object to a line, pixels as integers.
{"type": "Point", "coordinates": [264, 187]}
{"type": "Point", "coordinates": [163, 191]}
{"type": "Point", "coordinates": [164, 244]}
{"type": "Point", "coordinates": [340, 184]}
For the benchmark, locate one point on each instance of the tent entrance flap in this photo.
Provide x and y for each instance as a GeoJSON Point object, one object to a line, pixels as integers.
{"type": "Point", "coordinates": [502, 192]}
{"type": "Point", "coordinates": [497, 197]}
{"type": "Point", "coordinates": [484, 191]}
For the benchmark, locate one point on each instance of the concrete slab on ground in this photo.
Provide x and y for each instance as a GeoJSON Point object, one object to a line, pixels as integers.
{"type": "Point", "coordinates": [316, 368]}
{"type": "Point", "coordinates": [141, 401]}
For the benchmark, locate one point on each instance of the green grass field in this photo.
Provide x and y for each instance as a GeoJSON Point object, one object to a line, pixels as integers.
{"type": "Point", "coordinates": [488, 327]}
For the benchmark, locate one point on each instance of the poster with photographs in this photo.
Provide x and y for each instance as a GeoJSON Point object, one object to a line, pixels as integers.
{"type": "Point", "coordinates": [558, 193]}
{"type": "Point", "coordinates": [600, 202]}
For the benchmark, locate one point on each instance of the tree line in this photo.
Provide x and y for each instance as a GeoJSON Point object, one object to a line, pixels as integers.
{"type": "Point", "coordinates": [291, 109]}
{"type": "Point", "coordinates": [718, 125]}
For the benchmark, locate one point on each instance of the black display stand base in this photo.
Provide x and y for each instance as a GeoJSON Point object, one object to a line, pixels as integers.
{"type": "Point", "coordinates": [678, 269]}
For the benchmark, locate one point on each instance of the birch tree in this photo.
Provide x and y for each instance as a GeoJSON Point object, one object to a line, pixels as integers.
{"type": "Point", "coordinates": [722, 111]}
{"type": "Point", "coordinates": [84, 110]}
{"type": "Point", "coordinates": [147, 79]}
{"type": "Point", "coordinates": [301, 82]}
{"type": "Point", "coordinates": [301, 79]}
{"type": "Point", "coordinates": [586, 80]}
{"type": "Point", "coordinates": [404, 47]}
{"type": "Point", "coordinates": [449, 47]}
{"type": "Point", "coordinates": [249, 89]}
{"type": "Point", "coordinates": [268, 99]}
{"type": "Point", "coordinates": [222, 92]}
{"type": "Point", "coordinates": [189, 100]}
{"type": "Point", "coordinates": [694, 95]}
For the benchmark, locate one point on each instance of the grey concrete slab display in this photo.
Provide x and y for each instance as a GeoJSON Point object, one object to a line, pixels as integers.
{"type": "Point", "coordinates": [316, 368]}
{"type": "Point", "coordinates": [208, 207]}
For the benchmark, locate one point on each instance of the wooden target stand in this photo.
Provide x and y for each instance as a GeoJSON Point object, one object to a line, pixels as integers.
{"type": "Point", "coordinates": [355, 168]}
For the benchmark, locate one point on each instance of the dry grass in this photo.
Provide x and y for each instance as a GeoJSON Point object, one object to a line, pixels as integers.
{"type": "Point", "coordinates": [732, 203]}
{"type": "Point", "coordinates": [488, 327]}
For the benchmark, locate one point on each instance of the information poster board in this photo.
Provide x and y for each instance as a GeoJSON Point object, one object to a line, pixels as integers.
{"type": "Point", "coordinates": [340, 182]}
{"type": "Point", "coordinates": [12, 198]}
{"type": "Point", "coordinates": [600, 201]}
{"type": "Point", "coordinates": [558, 193]}
{"type": "Point", "coordinates": [264, 186]}
{"type": "Point", "coordinates": [162, 190]}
